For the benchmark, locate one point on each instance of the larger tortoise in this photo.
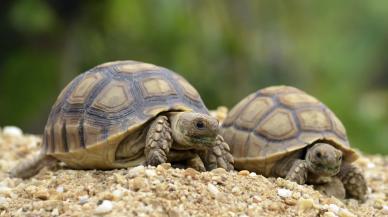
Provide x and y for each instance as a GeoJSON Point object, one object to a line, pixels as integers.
{"type": "Point", "coordinates": [126, 113]}
{"type": "Point", "coordinates": [281, 131]}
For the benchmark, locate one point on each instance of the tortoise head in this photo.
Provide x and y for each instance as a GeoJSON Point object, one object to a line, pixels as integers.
{"type": "Point", "coordinates": [193, 130]}
{"type": "Point", "coordinates": [324, 159]}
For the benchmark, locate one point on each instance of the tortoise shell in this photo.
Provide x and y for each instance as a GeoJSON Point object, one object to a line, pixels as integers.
{"type": "Point", "coordinates": [277, 121]}
{"type": "Point", "coordinates": [104, 105]}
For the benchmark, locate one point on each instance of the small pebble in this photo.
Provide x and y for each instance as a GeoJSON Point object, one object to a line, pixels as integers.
{"type": "Point", "coordinates": [174, 212]}
{"type": "Point", "coordinates": [166, 166]}
{"type": "Point", "coordinates": [150, 173]}
{"type": "Point", "coordinates": [12, 131]}
{"type": "Point", "coordinates": [219, 171]}
{"type": "Point", "coordinates": [345, 213]}
{"type": "Point", "coordinates": [385, 210]}
{"type": "Point", "coordinates": [60, 189]}
{"type": "Point", "coordinates": [55, 212]}
{"type": "Point", "coordinates": [3, 200]}
{"type": "Point", "coordinates": [305, 204]}
{"type": "Point", "coordinates": [252, 174]}
{"type": "Point", "coordinates": [378, 204]}
{"type": "Point", "coordinates": [105, 207]}
{"type": "Point", "coordinates": [333, 208]}
{"type": "Point", "coordinates": [222, 197]}
{"type": "Point", "coordinates": [290, 201]}
{"type": "Point", "coordinates": [107, 196]}
{"type": "Point", "coordinates": [216, 179]}
{"type": "Point", "coordinates": [120, 178]}
{"type": "Point", "coordinates": [329, 214]}
{"type": "Point", "coordinates": [243, 173]}
{"type": "Point", "coordinates": [191, 172]}
{"type": "Point", "coordinates": [160, 169]}
{"type": "Point", "coordinates": [42, 194]}
{"type": "Point", "coordinates": [283, 192]}
{"type": "Point", "coordinates": [4, 190]}
{"type": "Point", "coordinates": [83, 199]}
{"type": "Point", "coordinates": [212, 189]}
{"type": "Point", "coordinates": [256, 199]}
{"type": "Point", "coordinates": [235, 189]}
{"type": "Point", "coordinates": [136, 171]}
{"type": "Point", "coordinates": [3, 203]}
{"type": "Point", "coordinates": [371, 165]}
{"type": "Point", "coordinates": [274, 207]}
{"type": "Point", "coordinates": [139, 183]}
{"type": "Point", "coordinates": [118, 193]}
{"type": "Point", "coordinates": [296, 195]}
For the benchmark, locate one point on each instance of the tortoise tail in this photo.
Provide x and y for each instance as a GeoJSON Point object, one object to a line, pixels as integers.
{"type": "Point", "coordinates": [31, 167]}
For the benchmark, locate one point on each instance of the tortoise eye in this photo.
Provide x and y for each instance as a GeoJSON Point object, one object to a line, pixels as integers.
{"type": "Point", "coordinates": [340, 157]}
{"type": "Point", "coordinates": [200, 125]}
{"type": "Point", "coordinates": [318, 154]}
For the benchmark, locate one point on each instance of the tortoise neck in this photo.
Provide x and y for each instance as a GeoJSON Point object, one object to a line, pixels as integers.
{"type": "Point", "coordinates": [177, 131]}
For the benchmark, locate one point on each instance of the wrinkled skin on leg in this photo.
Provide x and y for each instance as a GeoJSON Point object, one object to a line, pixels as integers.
{"type": "Point", "coordinates": [354, 182]}
{"type": "Point", "coordinates": [298, 172]}
{"type": "Point", "coordinates": [158, 141]}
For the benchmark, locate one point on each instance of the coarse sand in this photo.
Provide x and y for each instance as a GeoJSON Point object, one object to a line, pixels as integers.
{"type": "Point", "coordinates": [165, 191]}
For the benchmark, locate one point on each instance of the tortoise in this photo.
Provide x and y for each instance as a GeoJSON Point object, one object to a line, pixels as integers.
{"type": "Point", "coordinates": [127, 113]}
{"type": "Point", "coordinates": [281, 131]}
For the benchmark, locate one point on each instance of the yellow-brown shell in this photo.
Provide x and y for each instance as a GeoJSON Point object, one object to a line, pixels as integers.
{"type": "Point", "coordinates": [102, 106]}
{"type": "Point", "coordinates": [274, 122]}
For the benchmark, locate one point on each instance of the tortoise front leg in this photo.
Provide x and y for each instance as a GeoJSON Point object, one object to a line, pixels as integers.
{"type": "Point", "coordinates": [298, 172]}
{"type": "Point", "coordinates": [354, 181]}
{"type": "Point", "coordinates": [218, 155]}
{"type": "Point", "coordinates": [158, 141]}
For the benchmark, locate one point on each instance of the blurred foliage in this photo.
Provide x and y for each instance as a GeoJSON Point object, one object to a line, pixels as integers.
{"type": "Point", "coordinates": [334, 50]}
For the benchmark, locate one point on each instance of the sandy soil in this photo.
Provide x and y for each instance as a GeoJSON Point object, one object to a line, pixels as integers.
{"type": "Point", "coordinates": [165, 191]}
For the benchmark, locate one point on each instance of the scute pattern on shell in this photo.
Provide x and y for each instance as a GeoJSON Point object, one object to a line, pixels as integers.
{"type": "Point", "coordinates": [112, 99]}
{"type": "Point", "coordinates": [275, 121]}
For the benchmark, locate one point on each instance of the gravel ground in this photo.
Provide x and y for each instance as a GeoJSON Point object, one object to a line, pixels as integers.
{"type": "Point", "coordinates": [165, 191]}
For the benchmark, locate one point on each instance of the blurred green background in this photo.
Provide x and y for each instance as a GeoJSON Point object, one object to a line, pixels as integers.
{"type": "Point", "coordinates": [334, 50]}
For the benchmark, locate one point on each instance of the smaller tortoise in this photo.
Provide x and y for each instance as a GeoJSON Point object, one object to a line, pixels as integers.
{"type": "Point", "coordinates": [281, 131]}
{"type": "Point", "coordinates": [126, 113]}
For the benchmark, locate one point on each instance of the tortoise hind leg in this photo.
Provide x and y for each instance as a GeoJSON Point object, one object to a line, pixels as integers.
{"type": "Point", "coordinates": [31, 167]}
